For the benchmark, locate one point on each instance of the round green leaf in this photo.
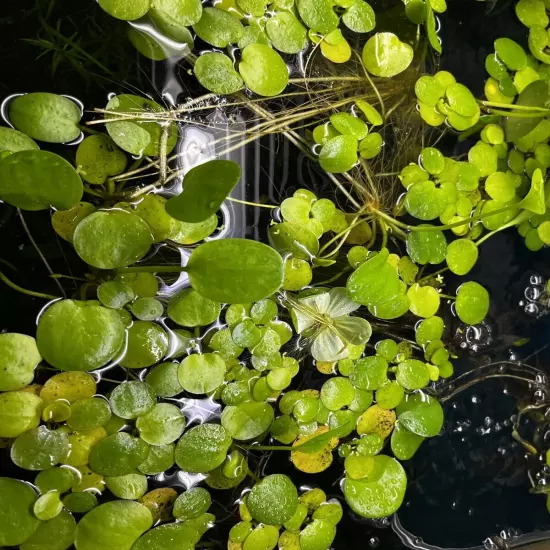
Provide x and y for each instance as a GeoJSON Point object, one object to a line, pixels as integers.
{"type": "Point", "coordinates": [47, 117]}
{"type": "Point", "coordinates": [425, 300]}
{"type": "Point", "coordinates": [472, 303]}
{"type": "Point", "coordinates": [426, 247]}
{"type": "Point", "coordinates": [191, 504]}
{"type": "Point", "coordinates": [429, 329]}
{"type": "Point", "coordinates": [461, 256]}
{"type": "Point", "coordinates": [128, 487]}
{"type": "Point", "coordinates": [118, 455]}
{"type": "Point", "coordinates": [132, 399]}
{"type": "Point", "coordinates": [370, 373]}
{"type": "Point", "coordinates": [17, 523]}
{"type": "Point", "coordinates": [348, 124]}
{"type": "Point", "coordinates": [147, 309]}
{"type": "Point", "coordinates": [425, 201]}
{"type": "Point", "coordinates": [174, 536]}
{"type": "Point", "coordinates": [379, 494]}
{"type": "Point", "coordinates": [164, 380]}
{"type": "Point", "coordinates": [147, 345]}
{"type": "Point", "coordinates": [19, 412]}
{"type": "Point", "coordinates": [404, 443]}
{"type": "Point", "coordinates": [371, 145]}
{"type": "Point", "coordinates": [421, 414]}
{"type": "Point", "coordinates": [176, 12]}
{"type": "Point", "coordinates": [19, 356]}
{"type": "Point", "coordinates": [532, 13]}
{"type": "Point", "coordinates": [317, 535]}
{"type": "Point", "coordinates": [247, 420]}
{"type": "Point", "coordinates": [56, 534]}
{"type": "Point", "coordinates": [216, 73]}
{"type": "Point", "coordinates": [273, 500]}
{"type": "Point", "coordinates": [263, 70]}
{"type": "Point", "coordinates": [375, 282]}
{"type": "Point", "coordinates": [37, 180]}
{"type": "Point", "coordinates": [159, 459]}
{"type": "Point", "coordinates": [359, 17]}
{"type": "Point", "coordinates": [205, 187]}
{"type": "Point", "coordinates": [189, 309]}
{"type": "Point", "coordinates": [318, 15]}
{"type": "Point", "coordinates": [337, 393]}
{"type": "Point", "coordinates": [339, 154]}
{"type": "Point", "coordinates": [115, 294]}
{"type": "Point", "coordinates": [294, 238]}
{"type": "Point", "coordinates": [40, 448]}
{"type": "Point", "coordinates": [286, 32]}
{"type": "Point", "coordinates": [65, 222]}
{"type": "Point", "coordinates": [12, 141]}
{"type": "Point", "coordinates": [218, 27]}
{"type": "Point", "coordinates": [163, 425]}
{"type": "Point", "coordinates": [112, 238]}
{"type": "Point", "coordinates": [48, 506]}
{"type": "Point", "coordinates": [139, 137]}
{"type": "Point", "coordinates": [500, 187]}
{"type": "Point", "coordinates": [429, 90]}
{"type": "Point", "coordinates": [389, 395]}
{"type": "Point", "coordinates": [510, 53]}
{"type": "Point", "coordinates": [461, 100]}
{"type": "Point", "coordinates": [202, 448]}
{"type": "Point", "coordinates": [215, 274]}
{"type": "Point", "coordinates": [98, 158]}
{"type": "Point", "coordinates": [74, 335]}
{"type": "Point", "coordinates": [386, 56]}
{"type": "Point", "coordinates": [113, 526]}
{"type": "Point", "coordinates": [201, 374]}
{"type": "Point", "coordinates": [88, 414]}
{"type": "Point", "coordinates": [412, 374]}
{"type": "Point", "coordinates": [80, 503]}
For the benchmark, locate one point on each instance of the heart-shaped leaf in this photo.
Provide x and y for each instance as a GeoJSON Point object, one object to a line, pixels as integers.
{"type": "Point", "coordinates": [205, 187]}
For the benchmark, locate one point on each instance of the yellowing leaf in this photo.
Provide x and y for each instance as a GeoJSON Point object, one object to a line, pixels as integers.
{"type": "Point", "coordinates": [376, 420]}
{"type": "Point", "coordinates": [314, 463]}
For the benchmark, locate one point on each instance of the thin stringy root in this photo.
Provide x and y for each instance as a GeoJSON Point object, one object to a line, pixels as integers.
{"type": "Point", "coordinates": [310, 101]}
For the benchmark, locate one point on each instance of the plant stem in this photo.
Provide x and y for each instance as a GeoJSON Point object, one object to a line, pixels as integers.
{"type": "Point", "coordinates": [447, 296]}
{"type": "Point", "coordinates": [536, 114]}
{"type": "Point", "coordinates": [251, 203]}
{"type": "Point", "coordinates": [432, 275]}
{"type": "Point", "coordinates": [325, 79]}
{"type": "Point", "coordinates": [163, 146]}
{"type": "Point", "coordinates": [18, 288]}
{"type": "Point", "coordinates": [513, 106]}
{"type": "Point", "coordinates": [266, 447]}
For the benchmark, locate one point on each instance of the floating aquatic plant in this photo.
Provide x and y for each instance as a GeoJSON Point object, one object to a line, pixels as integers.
{"type": "Point", "coordinates": [232, 337]}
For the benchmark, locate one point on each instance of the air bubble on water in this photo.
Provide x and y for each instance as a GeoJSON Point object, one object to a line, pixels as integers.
{"type": "Point", "coordinates": [476, 399]}
{"type": "Point", "coordinates": [532, 293]}
{"type": "Point", "coordinates": [374, 542]}
{"type": "Point", "coordinates": [489, 544]}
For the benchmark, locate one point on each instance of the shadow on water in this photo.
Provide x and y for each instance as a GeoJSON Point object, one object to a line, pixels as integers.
{"type": "Point", "coordinates": [466, 485]}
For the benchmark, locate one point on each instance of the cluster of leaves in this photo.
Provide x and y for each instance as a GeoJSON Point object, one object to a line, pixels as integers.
{"type": "Point", "coordinates": [308, 521]}
{"type": "Point", "coordinates": [261, 31]}
{"type": "Point", "coordinates": [306, 220]}
{"type": "Point", "coordinates": [345, 136]}
{"type": "Point", "coordinates": [441, 99]}
{"type": "Point", "coordinates": [378, 404]}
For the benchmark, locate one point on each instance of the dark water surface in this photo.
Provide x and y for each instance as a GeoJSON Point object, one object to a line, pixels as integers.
{"type": "Point", "coordinates": [467, 484]}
